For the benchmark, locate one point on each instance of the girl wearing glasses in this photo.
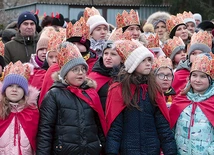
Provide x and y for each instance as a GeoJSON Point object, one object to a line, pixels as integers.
{"type": "Point", "coordinates": [136, 113]}
{"type": "Point", "coordinates": [71, 116]}
{"type": "Point", "coordinates": [164, 75]}
{"type": "Point", "coordinates": [192, 111]}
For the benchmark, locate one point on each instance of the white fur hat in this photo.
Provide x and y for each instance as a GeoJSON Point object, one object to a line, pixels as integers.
{"type": "Point", "coordinates": [95, 21]}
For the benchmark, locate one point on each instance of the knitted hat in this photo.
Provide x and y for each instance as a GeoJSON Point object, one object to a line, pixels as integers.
{"type": "Point", "coordinates": [95, 21]}
{"type": "Point", "coordinates": [173, 46]}
{"type": "Point", "coordinates": [206, 25]}
{"type": "Point", "coordinates": [197, 16]}
{"type": "Point", "coordinates": [200, 41]}
{"type": "Point", "coordinates": [132, 53]}
{"type": "Point", "coordinates": [69, 56]}
{"type": "Point", "coordinates": [16, 73]}
{"type": "Point", "coordinates": [42, 43]}
{"type": "Point", "coordinates": [26, 16]}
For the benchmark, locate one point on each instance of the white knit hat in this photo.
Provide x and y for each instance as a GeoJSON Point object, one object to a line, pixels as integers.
{"type": "Point", "coordinates": [136, 57]}
{"type": "Point", "coordinates": [95, 21]}
{"type": "Point", "coordinates": [197, 16]}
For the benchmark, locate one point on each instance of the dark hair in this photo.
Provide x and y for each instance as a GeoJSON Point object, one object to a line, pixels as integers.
{"type": "Point", "coordinates": [46, 21]}
{"type": "Point", "coordinates": [126, 79]}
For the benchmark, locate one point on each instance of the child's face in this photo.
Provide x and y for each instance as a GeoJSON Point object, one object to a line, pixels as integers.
{"type": "Point", "coordinates": [181, 55]}
{"type": "Point", "coordinates": [199, 82]}
{"type": "Point", "coordinates": [164, 78]}
{"type": "Point", "coordinates": [80, 46]}
{"type": "Point", "coordinates": [76, 76]}
{"type": "Point", "coordinates": [42, 54]}
{"type": "Point", "coordinates": [134, 31]}
{"type": "Point", "coordinates": [111, 58]}
{"type": "Point", "coordinates": [100, 32]}
{"type": "Point", "coordinates": [144, 67]}
{"type": "Point", "coordinates": [52, 58]}
{"type": "Point", "coordinates": [14, 93]}
{"type": "Point", "coordinates": [194, 54]}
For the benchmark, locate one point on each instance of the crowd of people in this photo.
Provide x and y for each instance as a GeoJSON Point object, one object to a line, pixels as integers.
{"type": "Point", "coordinates": [91, 88]}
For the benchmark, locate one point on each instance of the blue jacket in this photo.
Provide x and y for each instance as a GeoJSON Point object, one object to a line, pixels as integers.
{"type": "Point", "coordinates": [140, 132]}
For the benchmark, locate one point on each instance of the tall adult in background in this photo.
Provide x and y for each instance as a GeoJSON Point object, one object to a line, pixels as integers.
{"type": "Point", "coordinates": [24, 43]}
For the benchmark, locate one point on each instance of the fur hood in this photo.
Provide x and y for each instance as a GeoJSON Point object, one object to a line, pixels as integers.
{"type": "Point", "coordinates": [32, 96]}
{"type": "Point", "coordinates": [88, 81]}
{"type": "Point", "coordinates": [158, 16]}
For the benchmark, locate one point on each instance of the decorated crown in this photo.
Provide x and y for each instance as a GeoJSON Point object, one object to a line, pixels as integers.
{"type": "Point", "coordinates": [162, 61]}
{"type": "Point", "coordinates": [203, 63]}
{"type": "Point", "coordinates": [202, 37]}
{"type": "Point", "coordinates": [79, 29]}
{"type": "Point", "coordinates": [187, 15]}
{"type": "Point", "coordinates": [117, 34]}
{"type": "Point", "coordinates": [18, 68]}
{"type": "Point", "coordinates": [127, 19]}
{"type": "Point", "coordinates": [52, 32]}
{"type": "Point", "coordinates": [173, 21]}
{"type": "Point", "coordinates": [1, 48]}
{"type": "Point", "coordinates": [172, 44]}
{"type": "Point", "coordinates": [54, 43]}
{"type": "Point", "coordinates": [88, 12]}
{"type": "Point", "coordinates": [67, 51]}
{"type": "Point", "coordinates": [153, 41]}
{"type": "Point", "coordinates": [125, 47]}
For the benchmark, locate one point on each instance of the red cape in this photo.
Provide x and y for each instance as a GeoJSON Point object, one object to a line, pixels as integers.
{"type": "Point", "coordinates": [100, 79]}
{"type": "Point", "coordinates": [91, 62]}
{"type": "Point", "coordinates": [180, 80]}
{"type": "Point", "coordinates": [47, 82]}
{"type": "Point", "coordinates": [93, 102]}
{"type": "Point", "coordinates": [115, 103]}
{"type": "Point", "coordinates": [37, 78]}
{"type": "Point", "coordinates": [29, 119]}
{"type": "Point", "coordinates": [180, 102]}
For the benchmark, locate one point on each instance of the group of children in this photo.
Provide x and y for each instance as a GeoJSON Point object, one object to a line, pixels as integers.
{"type": "Point", "coordinates": [120, 102]}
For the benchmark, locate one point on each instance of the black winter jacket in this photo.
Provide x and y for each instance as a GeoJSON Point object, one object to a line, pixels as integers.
{"type": "Point", "coordinates": [68, 125]}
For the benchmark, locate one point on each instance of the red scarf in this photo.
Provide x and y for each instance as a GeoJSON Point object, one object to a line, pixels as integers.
{"type": "Point", "coordinates": [100, 79]}
{"type": "Point", "coordinates": [28, 118]}
{"type": "Point", "coordinates": [181, 102]}
{"type": "Point", "coordinates": [93, 102]}
{"type": "Point", "coordinates": [115, 103]}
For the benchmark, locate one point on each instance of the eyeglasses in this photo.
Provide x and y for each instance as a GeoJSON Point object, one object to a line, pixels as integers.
{"type": "Point", "coordinates": [77, 70]}
{"type": "Point", "coordinates": [162, 76]}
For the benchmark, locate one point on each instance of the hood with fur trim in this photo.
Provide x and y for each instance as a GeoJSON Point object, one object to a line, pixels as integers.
{"type": "Point", "coordinates": [157, 17]}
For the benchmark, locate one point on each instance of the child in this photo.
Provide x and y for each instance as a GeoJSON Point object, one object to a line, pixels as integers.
{"type": "Point", "coordinates": [175, 50]}
{"type": "Point", "coordinates": [71, 116]}
{"type": "Point", "coordinates": [192, 111]}
{"type": "Point", "coordinates": [164, 75]}
{"type": "Point", "coordinates": [138, 123]}
{"type": "Point", "coordinates": [99, 29]}
{"type": "Point", "coordinates": [19, 115]}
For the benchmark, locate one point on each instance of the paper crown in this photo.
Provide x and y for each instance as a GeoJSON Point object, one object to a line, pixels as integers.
{"type": "Point", "coordinates": [162, 61]}
{"type": "Point", "coordinates": [117, 34]}
{"type": "Point", "coordinates": [67, 51]}
{"type": "Point", "coordinates": [88, 12]}
{"type": "Point", "coordinates": [153, 41]}
{"type": "Point", "coordinates": [125, 47]}
{"type": "Point", "coordinates": [18, 68]}
{"type": "Point", "coordinates": [172, 45]}
{"type": "Point", "coordinates": [202, 37]}
{"type": "Point", "coordinates": [52, 32]}
{"type": "Point", "coordinates": [173, 21]}
{"type": "Point", "coordinates": [53, 43]}
{"type": "Point", "coordinates": [1, 48]}
{"type": "Point", "coordinates": [79, 29]}
{"type": "Point", "coordinates": [203, 63]}
{"type": "Point", "coordinates": [187, 16]}
{"type": "Point", "coordinates": [127, 19]}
